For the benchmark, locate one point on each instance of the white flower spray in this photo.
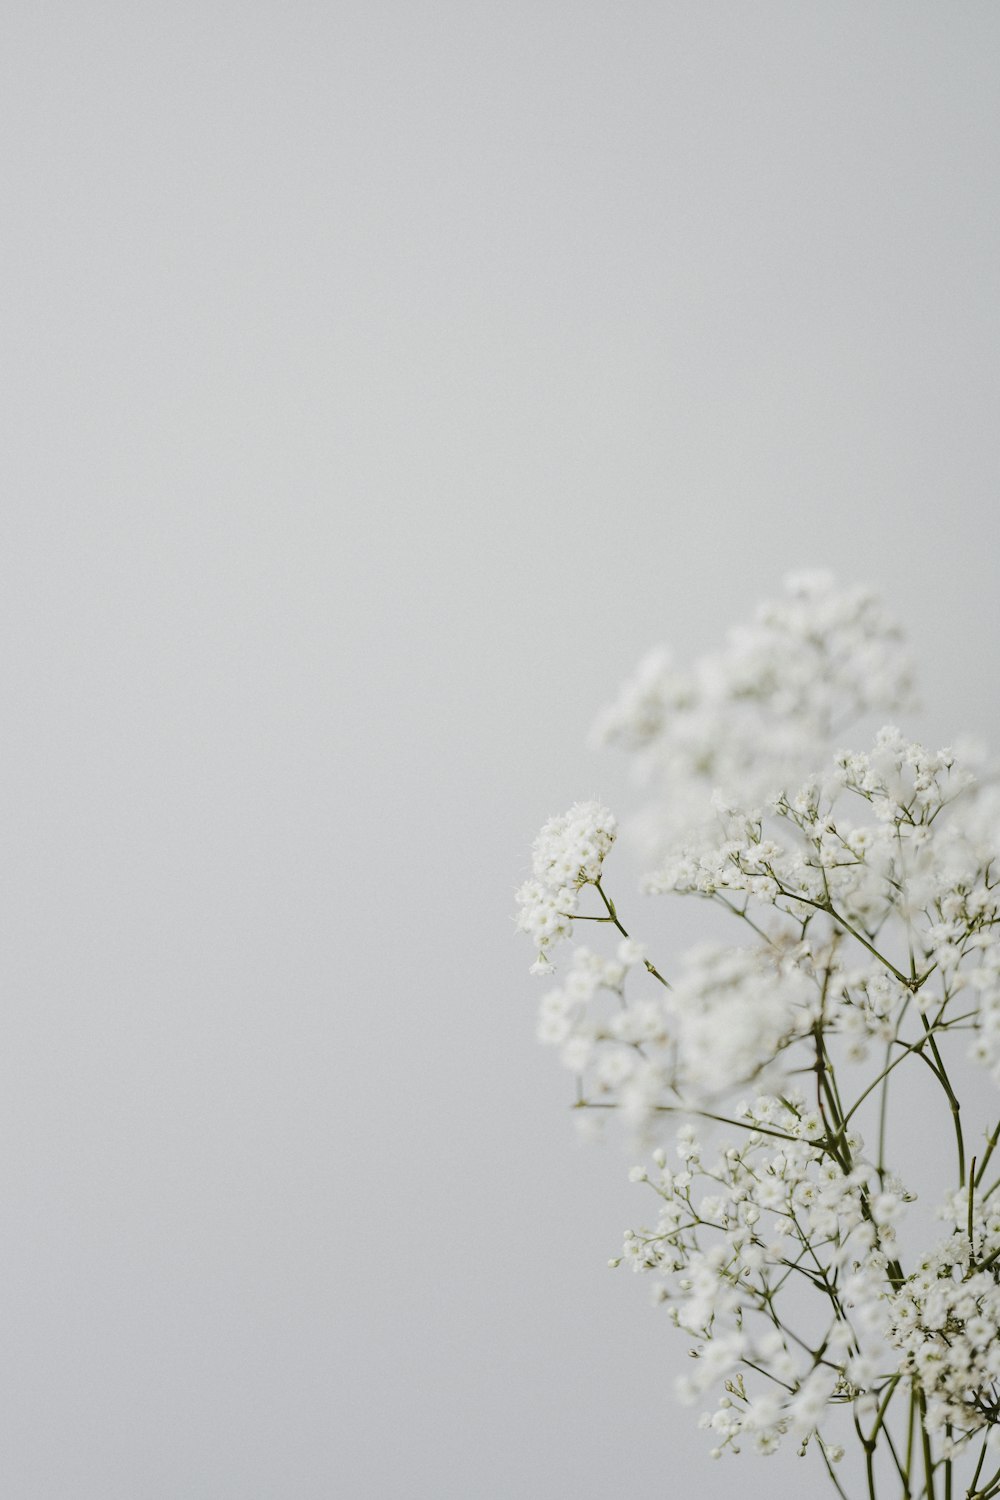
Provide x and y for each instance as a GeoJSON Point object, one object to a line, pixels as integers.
{"type": "Point", "coordinates": [867, 889]}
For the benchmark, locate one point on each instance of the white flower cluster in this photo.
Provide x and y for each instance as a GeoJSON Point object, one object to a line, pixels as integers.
{"type": "Point", "coordinates": [734, 1228]}
{"type": "Point", "coordinates": [734, 1011]}
{"type": "Point", "coordinates": [622, 1049]}
{"type": "Point", "coordinates": [760, 713]}
{"type": "Point", "coordinates": [945, 1318]}
{"type": "Point", "coordinates": [897, 842]}
{"type": "Point", "coordinates": [727, 1019]}
{"type": "Point", "coordinates": [869, 893]}
{"type": "Point", "coordinates": [567, 854]}
{"type": "Point", "coordinates": [805, 851]}
{"type": "Point", "coordinates": [890, 863]}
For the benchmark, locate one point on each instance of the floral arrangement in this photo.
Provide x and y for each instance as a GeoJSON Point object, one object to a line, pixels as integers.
{"type": "Point", "coordinates": [863, 891]}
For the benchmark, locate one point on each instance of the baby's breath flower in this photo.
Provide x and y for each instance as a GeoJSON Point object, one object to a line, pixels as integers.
{"type": "Point", "coordinates": [567, 854]}
{"type": "Point", "coordinates": [866, 886]}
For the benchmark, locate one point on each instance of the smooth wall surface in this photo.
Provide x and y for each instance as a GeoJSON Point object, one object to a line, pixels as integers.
{"type": "Point", "coordinates": [381, 379]}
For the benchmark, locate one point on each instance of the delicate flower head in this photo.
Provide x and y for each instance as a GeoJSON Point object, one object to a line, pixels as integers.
{"type": "Point", "coordinates": [567, 854]}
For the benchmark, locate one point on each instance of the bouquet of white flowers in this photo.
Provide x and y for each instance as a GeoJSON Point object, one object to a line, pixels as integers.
{"type": "Point", "coordinates": [866, 886]}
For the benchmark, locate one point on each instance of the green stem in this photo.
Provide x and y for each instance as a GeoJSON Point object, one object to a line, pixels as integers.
{"type": "Point", "coordinates": [979, 1467]}
{"type": "Point", "coordinates": [903, 1473]}
{"type": "Point", "coordinates": [926, 1443]}
{"type": "Point", "coordinates": [989, 1488]}
{"type": "Point", "coordinates": [915, 1047]}
{"type": "Point", "coordinates": [749, 920]}
{"type": "Point", "coordinates": [829, 1469]}
{"type": "Point", "coordinates": [910, 1429]}
{"type": "Point", "coordinates": [831, 911]}
{"type": "Point", "coordinates": [883, 1114]}
{"type": "Point", "coordinates": [990, 1148]}
{"type": "Point", "coordinates": [880, 1415]}
{"type": "Point", "coordinates": [613, 917]}
{"type": "Point", "coordinates": [952, 1098]}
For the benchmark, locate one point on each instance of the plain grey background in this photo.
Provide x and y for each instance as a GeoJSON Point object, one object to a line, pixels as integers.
{"type": "Point", "coordinates": [381, 379]}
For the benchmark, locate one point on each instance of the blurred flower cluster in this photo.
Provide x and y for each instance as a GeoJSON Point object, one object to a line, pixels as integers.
{"type": "Point", "coordinates": [864, 886]}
